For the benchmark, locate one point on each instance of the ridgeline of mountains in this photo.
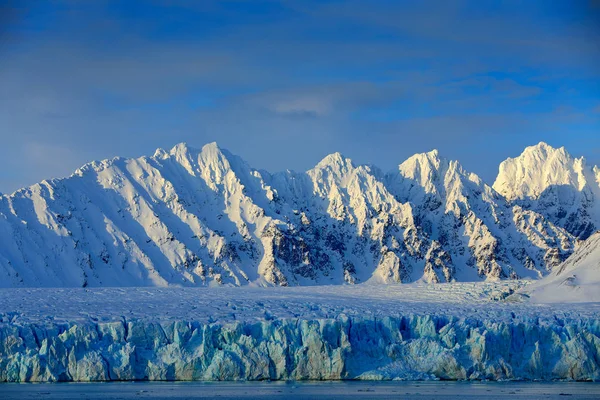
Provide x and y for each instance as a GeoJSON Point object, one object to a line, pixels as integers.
{"type": "Point", "coordinates": [202, 217]}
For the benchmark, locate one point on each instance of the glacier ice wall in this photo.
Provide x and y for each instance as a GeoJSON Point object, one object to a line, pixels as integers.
{"type": "Point", "coordinates": [409, 347]}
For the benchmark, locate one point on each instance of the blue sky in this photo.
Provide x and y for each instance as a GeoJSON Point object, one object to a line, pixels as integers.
{"type": "Point", "coordinates": [284, 83]}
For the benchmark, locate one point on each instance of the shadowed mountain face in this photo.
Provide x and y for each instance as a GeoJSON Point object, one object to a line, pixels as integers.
{"type": "Point", "coordinates": [204, 217]}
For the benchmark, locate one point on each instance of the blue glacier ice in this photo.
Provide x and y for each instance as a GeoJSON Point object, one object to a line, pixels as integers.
{"type": "Point", "coordinates": [405, 347]}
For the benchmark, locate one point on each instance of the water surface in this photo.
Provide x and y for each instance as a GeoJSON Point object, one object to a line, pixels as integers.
{"type": "Point", "coordinates": [297, 390]}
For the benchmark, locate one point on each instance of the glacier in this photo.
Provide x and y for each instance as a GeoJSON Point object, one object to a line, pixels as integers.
{"type": "Point", "coordinates": [468, 331]}
{"type": "Point", "coordinates": [412, 347]}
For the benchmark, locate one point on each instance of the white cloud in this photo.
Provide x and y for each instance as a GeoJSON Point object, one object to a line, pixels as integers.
{"type": "Point", "coordinates": [306, 105]}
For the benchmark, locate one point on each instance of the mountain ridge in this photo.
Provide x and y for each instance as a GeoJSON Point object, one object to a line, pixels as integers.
{"type": "Point", "coordinates": [204, 216]}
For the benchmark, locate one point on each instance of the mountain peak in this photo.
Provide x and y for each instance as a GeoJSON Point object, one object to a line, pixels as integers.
{"type": "Point", "coordinates": [210, 158]}
{"type": "Point", "coordinates": [184, 151]}
{"type": "Point", "coordinates": [422, 163]}
{"type": "Point", "coordinates": [212, 146]}
{"type": "Point", "coordinates": [433, 153]}
{"type": "Point", "coordinates": [180, 148]}
{"type": "Point", "coordinates": [537, 168]}
{"type": "Point", "coordinates": [336, 160]}
{"type": "Point", "coordinates": [207, 217]}
{"type": "Point", "coordinates": [430, 157]}
{"type": "Point", "coordinates": [543, 149]}
{"type": "Point", "coordinates": [432, 174]}
{"type": "Point", "coordinates": [542, 146]}
{"type": "Point", "coordinates": [184, 148]}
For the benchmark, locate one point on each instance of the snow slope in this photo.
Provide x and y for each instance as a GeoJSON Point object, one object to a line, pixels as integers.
{"type": "Point", "coordinates": [205, 217]}
{"type": "Point", "coordinates": [434, 331]}
{"type": "Point", "coordinates": [576, 280]}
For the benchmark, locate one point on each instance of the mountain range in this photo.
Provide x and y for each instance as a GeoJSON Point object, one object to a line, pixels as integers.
{"type": "Point", "coordinates": [194, 217]}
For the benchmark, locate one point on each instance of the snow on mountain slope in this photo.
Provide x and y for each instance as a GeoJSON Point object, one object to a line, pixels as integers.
{"type": "Point", "coordinates": [199, 217]}
{"type": "Point", "coordinates": [343, 209]}
{"type": "Point", "coordinates": [204, 217]}
{"type": "Point", "coordinates": [474, 225]}
{"type": "Point", "coordinates": [550, 181]}
{"type": "Point", "coordinates": [575, 280]}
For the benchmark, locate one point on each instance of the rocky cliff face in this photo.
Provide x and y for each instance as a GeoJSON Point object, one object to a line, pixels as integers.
{"type": "Point", "coordinates": [204, 217]}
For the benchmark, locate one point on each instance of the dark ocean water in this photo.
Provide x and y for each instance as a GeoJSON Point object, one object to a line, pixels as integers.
{"type": "Point", "coordinates": [297, 390]}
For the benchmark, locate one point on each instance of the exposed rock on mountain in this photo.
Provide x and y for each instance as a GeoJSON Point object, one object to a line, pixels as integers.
{"type": "Point", "coordinates": [203, 217]}
{"type": "Point", "coordinates": [473, 223]}
{"type": "Point", "coordinates": [551, 182]}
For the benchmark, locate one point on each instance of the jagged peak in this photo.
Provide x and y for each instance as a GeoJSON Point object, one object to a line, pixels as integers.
{"type": "Point", "coordinates": [431, 157]}
{"type": "Point", "coordinates": [184, 148]}
{"type": "Point", "coordinates": [540, 154]}
{"type": "Point", "coordinates": [160, 153]}
{"type": "Point", "coordinates": [544, 150]}
{"type": "Point", "coordinates": [537, 168]}
{"type": "Point", "coordinates": [548, 147]}
{"type": "Point", "coordinates": [208, 152]}
{"type": "Point", "coordinates": [212, 147]}
{"type": "Point", "coordinates": [213, 150]}
{"type": "Point", "coordinates": [433, 174]}
{"type": "Point", "coordinates": [433, 154]}
{"type": "Point", "coordinates": [209, 158]}
{"type": "Point", "coordinates": [180, 148]}
{"type": "Point", "coordinates": [341, 170]}
{"type": "Point", "coordinates": [426, 165]}
{"type": "Point", "coordinates": [542, 146]}
{"type": "Point", "coordinates": [336, 161]}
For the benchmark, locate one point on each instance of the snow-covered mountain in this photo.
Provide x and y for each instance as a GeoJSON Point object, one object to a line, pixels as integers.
{"type": "Point", "coordinates": [553, 183]}
{"type": "Point", "coordinates": [575, 280]}
{"type": "Point", "coordinates": [202, 217]}
{"type": "Point", "coordinates": [474, 224]}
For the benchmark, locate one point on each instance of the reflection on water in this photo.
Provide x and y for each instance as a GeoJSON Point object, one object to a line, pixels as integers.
{"type": "Point", "coordinates": [301, 390]}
